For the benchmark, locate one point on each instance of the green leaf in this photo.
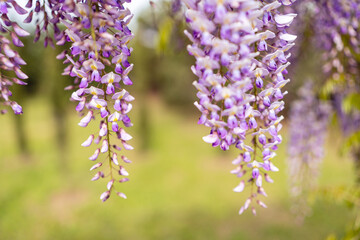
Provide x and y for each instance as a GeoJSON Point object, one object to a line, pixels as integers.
{"type": "Point", "coordinates": [330, 86]}
{"type": "Point", "coordinates": [165, 31]}
{"type": "Point", "coordinates": [350, 102]}
{"type": "Point", "coordinates": [351, 142]}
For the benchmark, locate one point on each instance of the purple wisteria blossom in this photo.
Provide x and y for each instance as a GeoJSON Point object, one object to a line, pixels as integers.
{"type": "Point", "coordinates": [46, 15]}
{"type": "Point", "coordinates": [336, 28]}
{"type": "Point", "coordinates": [348, 121]}
{"type": "Point", "coordinates": [98, 61]}
{"type": "Point", "coordinates": [309, 119]}
{"type": "Point", "coordinates": [241, 59]}
{"type": "Point", "coordinates": [10, 60]}
{"type": "Point", "coordinates": [335, 25]}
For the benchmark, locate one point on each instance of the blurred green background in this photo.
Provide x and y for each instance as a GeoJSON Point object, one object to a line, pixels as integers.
{"type": "Point", "coordinates": [180, 187]}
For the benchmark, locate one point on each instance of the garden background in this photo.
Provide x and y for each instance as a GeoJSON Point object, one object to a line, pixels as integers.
{"type": "Point", "coordinates": [180, 187]}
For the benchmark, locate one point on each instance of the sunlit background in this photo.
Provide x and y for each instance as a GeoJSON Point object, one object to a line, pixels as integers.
{"type": "Point", "coordinates": [180, 187]}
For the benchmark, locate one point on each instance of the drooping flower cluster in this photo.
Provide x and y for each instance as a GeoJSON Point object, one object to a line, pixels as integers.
{"type": "Point", "coordinates": [98, 61]}
{"type": "Point", "coordinates": [349, 121]}
{"type": "Point", "coordinates": [241, 59]}
{"type": "Point", "coordinates": [338, 26]}
{"type": "Point", "coordinates": [46, 15]}
{"type": "Point", "coordinates": [335, 25]}
{"type": "Point", "coordinates": [10, 60]}
{"type": "Point", "coordinates": [309, 118]}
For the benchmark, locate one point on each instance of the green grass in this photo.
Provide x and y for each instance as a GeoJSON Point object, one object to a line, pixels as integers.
{"type": "Point", "coordinates": [180, 187]}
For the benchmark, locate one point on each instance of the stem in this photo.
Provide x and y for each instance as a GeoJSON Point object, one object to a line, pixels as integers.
{"type": "Point", "coordinates": [93, 35]}
{"type": "Point", "coordinates": [255, 136]}
{"type": "Point", "coordinates": [108, 135]}
{"type": "Point", "coordinates": [255, 107]}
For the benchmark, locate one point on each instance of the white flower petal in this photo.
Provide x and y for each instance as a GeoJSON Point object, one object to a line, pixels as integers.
{"type": "Point", "coordinates": [240, 187]}
{"type": "Point", "coordinates": [211, 138]}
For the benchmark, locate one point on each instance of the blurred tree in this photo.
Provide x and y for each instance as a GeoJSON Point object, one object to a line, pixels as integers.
{"type": "Point", "coordinates": [162, 63]}
{"type": "Point", "coordinates": [55, 83]}
{"type": "Point", "coordinates": [32, 56]}
{"type": "Point", "coordinates": [165, 43]}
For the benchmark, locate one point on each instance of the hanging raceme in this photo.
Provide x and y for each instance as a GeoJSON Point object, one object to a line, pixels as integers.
{"type": "Point", "coordinates": [10, 60]}
{"type": "Point", "coordinates": [241, 59]}
{"type": "Point", "coordinates": [309, 119]}
{"type": "Point", "coordinates": [97, 60]}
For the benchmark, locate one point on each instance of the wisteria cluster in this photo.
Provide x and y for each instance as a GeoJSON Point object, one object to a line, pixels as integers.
{"type": "Point", "coordinates": [98, 62]}
{"type": "Point", "coordinates": [349, 121]}
{"type": "Point", "coordinates": [241, 59]}
{"type": "Point", "coordinates": [309, 118]}
{"type": "Point", "coordinates": [338, 25]}
{"type": "Point", "coordinates": [10, 60]}
{"type": "Point", "coordinates": [46, 16]}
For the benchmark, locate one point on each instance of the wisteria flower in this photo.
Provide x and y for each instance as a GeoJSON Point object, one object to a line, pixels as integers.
{"type": "Point", "coordinates": [309, 118]}
{"type": "Point", "coordinates": [99, 38]}
{"type": "Point", "coordinates": [10, 60]}
{"type": "Point", "coordinates": [241, 59]}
